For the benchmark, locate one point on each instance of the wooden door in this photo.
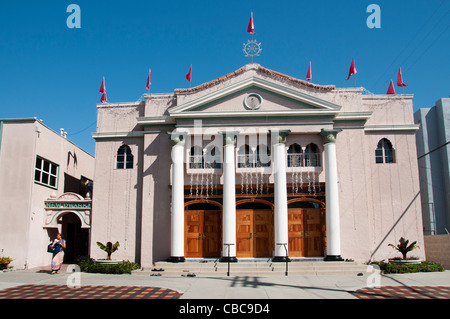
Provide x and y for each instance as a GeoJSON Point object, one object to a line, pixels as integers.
{"type": "Point", "coordinates": [313, 232]}
{"type": "Point", "coordinates": [254, 233]}
{"type": "Point", "coordinates": [244, 233]}
{"type": "Point", "coordinates": [295, 233]}
{"type": "Point", "coordinates": [262, 233]}
{"type": "Point", "coordinates": [212, 233]}
{"type": "Point", "coordinates": [306, 232]}
{"type": "Point", "coordinates": [193, 231]}
{"type": "Point", "coordinates": [202, 233]}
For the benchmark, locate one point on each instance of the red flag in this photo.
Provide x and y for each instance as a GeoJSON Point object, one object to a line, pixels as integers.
{"type": "Point", "coordinates": [251, 26]}
{"type": "Point", "coordinates": [400, 78]}
{"type": "Point", "coordinates": [352, 69]}
{"type": "Point", "coordinates": [391, 89]}
{"type": "Point", "coordinates": [189, 75]}
{"type": "Point", "coordinates": [102, 90]}
{"type": "Point", "coordinates": [309, 74]}
{"type": "Point", "coordinates": [149, 79]}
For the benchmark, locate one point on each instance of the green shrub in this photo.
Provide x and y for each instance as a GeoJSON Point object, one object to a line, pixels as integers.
{"type": "Point", "coordinates": [424, 266]}
{"type": "Point", "coordinates": [125, 267]}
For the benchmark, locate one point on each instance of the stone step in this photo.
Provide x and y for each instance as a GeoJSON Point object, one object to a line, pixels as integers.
{"type": "Point", "coordinates": [213, 269]}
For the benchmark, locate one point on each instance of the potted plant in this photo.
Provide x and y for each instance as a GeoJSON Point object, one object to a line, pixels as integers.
{"type": "Point", "coordinates": [404, 248]}
{"type": "Point", "coordinates": [109, 248]}
{"type": "Point", "coordinates": [4, 262]}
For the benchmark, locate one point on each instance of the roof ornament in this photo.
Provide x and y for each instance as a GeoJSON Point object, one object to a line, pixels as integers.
{"type": "Point", "coordinates": [252, 47]}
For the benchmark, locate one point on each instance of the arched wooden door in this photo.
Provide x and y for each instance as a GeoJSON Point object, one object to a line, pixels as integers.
{"type": "Point", "coordinates": [254, 230]}
{"type": "Point", "coordinates": [306, 231]}
{"type": "Point", "coordinates": [202, 232]}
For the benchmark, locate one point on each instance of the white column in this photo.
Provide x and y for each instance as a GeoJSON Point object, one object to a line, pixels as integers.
{"type": "Point", "coordinates": [332, 197]}
{"type": "Point", "coordinates": [177, 220]}
{"type": "Point", "coordinates": [280, 195]}
{"type": "Point", "coordinates": [229, 198]}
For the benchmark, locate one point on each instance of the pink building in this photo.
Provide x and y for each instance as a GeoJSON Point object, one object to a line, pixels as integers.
{"type": "Point", "coordinates": [256, 164]}
{"type": "Point", "coordinates": [45, 186]}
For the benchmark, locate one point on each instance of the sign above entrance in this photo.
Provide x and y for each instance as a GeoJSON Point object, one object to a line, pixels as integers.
{"type": "Point", "coordinates": [55, 208]}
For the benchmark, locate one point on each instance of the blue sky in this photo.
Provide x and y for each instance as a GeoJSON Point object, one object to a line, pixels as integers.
{"type": "Point", "coordinates": [52, 72]}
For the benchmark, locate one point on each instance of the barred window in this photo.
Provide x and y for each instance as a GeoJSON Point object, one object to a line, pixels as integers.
{"type": "Point", "coordinates": [295, 156]}
{"type": "Point", "coordinates": [312, 155]}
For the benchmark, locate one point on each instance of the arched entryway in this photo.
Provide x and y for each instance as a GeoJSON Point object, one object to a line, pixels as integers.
{"type": "Point", "coordinates": [77, 238]}
{"type": "Point", "coordinates": [254, 228]}
{"type": "Point", "coordinates": [202, 229]}
{"type": "Point", "coordinates": [306, 227]}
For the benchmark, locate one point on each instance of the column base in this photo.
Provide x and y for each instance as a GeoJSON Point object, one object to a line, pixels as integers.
{"type": "Point", "coordinates": [279, 259]}
{"type": "Point", "coordinates": [333, 258]}
{"type": "Point", "coordinates": [228, 259]}
{"type": "Point", "coordinates": [176, 259]}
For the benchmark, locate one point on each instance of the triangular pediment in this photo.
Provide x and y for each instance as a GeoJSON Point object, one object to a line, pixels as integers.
{"type": "Point", "coordinates": [253, 96]}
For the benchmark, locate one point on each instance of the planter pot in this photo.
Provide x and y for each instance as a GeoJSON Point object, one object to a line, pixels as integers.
{"type": "Point", "coordinates": [404, 261]}
{"type": "Point", "coordinates": [108, 261]}
{"type": "Point", "coordinates": [4, 266]}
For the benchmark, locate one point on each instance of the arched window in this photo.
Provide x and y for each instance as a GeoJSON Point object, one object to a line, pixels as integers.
{"type": "Point", "coordinates": [212, 158]}
{"type": "Point", "coordinates": [196, 157]}
{"type": "Point", "coordinates": [124, 157]}
{"type": "Point", "coordinates": [262, 156]}
{"type": "Point", "coordinates": [295, 156]}
{"type": "Point", "coordinates": [384, 152]}
{"type": "Point", "coordinates": [312, 155]}
{"type": "Point", "coordinates": [245, 156]}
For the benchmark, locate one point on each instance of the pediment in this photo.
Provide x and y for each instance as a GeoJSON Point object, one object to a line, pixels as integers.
{"type": "Point", "coordinates": [254, 96]}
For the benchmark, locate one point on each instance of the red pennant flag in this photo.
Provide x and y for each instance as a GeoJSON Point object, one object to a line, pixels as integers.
{"type": "Point", "coordinates": [189, 75]}
{"type": "Point", "coordinates": [102, 90]}
{"type": "Point", "coordinates": [251, 26]}
{"type": "Point", "coordinates": [149, 79]}
{"type": "Point", "coordinates": [352, 69]}
{"type": "Point", "coordinates": [391, 89]}
{"type": "Point", "coordinates": [309, 74]}
{"type": "Point", "coordinates": [400, 78]}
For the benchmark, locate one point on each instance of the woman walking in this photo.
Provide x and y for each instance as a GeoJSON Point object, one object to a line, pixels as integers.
{"type": "Point", "coordinates": [59, 244]}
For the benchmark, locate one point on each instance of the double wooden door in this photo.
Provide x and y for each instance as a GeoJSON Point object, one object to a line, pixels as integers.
{"type": "Point", "coordinates": [306, 232]}
{"type": "Point", "coordinates": [254, 233]}
{"type": "Point", "coordinates": [203, 234]}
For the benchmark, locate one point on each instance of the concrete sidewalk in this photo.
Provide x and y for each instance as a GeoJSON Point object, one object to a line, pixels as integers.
{"type": "Point", "coordinates": [234, 287]}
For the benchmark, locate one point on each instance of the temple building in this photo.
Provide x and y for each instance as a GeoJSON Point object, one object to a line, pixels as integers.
{"type": "Point", "coordinates": [256, 164]}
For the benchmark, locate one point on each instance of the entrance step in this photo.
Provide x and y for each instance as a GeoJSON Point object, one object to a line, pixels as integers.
{"type": "Point", "coordinates": [252, 268]}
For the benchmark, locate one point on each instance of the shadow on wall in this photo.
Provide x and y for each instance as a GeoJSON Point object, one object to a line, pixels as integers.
{"type": "Point", "coordinates": [393, 226]}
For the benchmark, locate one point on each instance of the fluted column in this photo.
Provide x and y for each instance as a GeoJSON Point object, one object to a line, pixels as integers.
{"type": "Point", "coordinates": [280, 195]}
{"type": "Point", "coordinates": [332, 197]}
{"type": "Point", "coordinates": [177, 213]}
{"type": "Point", "coordinates": [229, 198]}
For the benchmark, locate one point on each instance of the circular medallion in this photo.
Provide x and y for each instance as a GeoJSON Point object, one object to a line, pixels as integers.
{"type": "Point", "coordinates": [253, 101]}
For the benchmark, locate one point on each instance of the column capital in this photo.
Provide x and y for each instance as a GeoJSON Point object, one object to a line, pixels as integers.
{"type": "Point", "coordinates": [229, 137]}
{"type": "Point", "coordinates": [329, 136]}
{"type": "Point", "coordinates": [279, 136]}
{"type": "Point", "coordinates": [178, 138]}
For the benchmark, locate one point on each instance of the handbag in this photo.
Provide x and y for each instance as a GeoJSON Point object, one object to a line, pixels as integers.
{"type": "Point", "coordinates": [50, 249]}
